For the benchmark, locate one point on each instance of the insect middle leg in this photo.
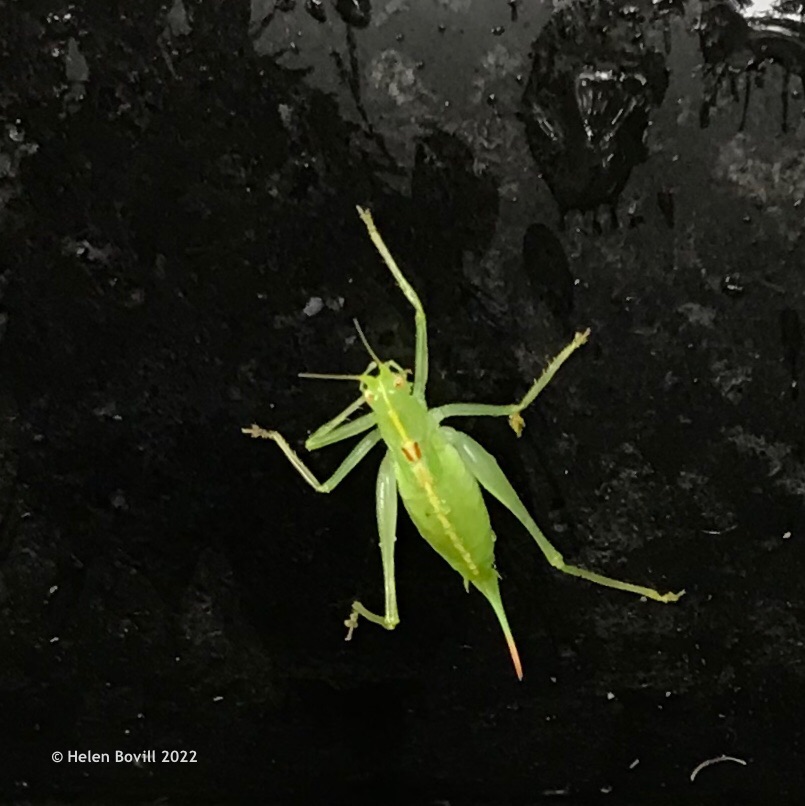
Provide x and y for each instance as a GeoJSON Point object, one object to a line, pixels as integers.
{"type": "Point", "coordinates": [512, 410]}
{"type": "Point", "coordinates": [421, 365]}
{"type": "Point", "coordinates": [387, 527]}
{"type": "Point", "coordinates": [349, 463]}
{"type": "Point", "coordinates": [487, 471]}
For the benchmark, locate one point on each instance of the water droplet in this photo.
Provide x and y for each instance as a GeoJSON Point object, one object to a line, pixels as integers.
{"type": "Point", "coordinates": [732, 285]}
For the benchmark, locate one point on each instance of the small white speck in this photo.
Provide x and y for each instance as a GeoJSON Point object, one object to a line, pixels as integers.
{"type": "Point", "coordinates": [314, 305]}
{"type": "Point", "coordinates": [786, 535]}
{"type": "Point", "coordinates": [76, 68]}
{"type": "Point", "coordinates": [285, 114]}
{"type": "Point", "coordinates": [610, 695]}
{"type": "Point", "coordinates": [118, 500]}
{"type": "Point", "coordinates": [217, 698]}
{"type": "Point", "coordinates": [634, 763]}
{"type": "Point", "coordinates": [178, 23]}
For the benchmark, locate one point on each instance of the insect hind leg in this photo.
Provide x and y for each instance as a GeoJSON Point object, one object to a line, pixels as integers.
{"type": "Point", "coordinates": [486, 470]}
{"type": "Point", "coordinates": [387, 527]}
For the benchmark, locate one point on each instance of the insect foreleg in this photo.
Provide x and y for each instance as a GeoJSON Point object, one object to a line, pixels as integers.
{"type": "Point", "coordinates": [333, 430]}
{"type": "Point", "coordinates": [489, 475]}
{"type": "Point", "coordinates": [421, 366]}
{"type": "Point", "coordinates": [387, 527]}
{"type": "Point", "coordinates": [318, 439]}
{"type": "Point", "coordinates": [351, 461]}
{"type": "Point", "coordinates": [513, 409]}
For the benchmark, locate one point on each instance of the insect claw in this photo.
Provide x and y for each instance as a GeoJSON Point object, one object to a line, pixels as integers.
{"type": "Point", "coordinates": [666, 598]}
{"type": "Point", "coordinates": [255, 431]}
{"type": "Point", "coordinates": [517, 423]}
{"type": "Point", "coordinates": [351, 623]}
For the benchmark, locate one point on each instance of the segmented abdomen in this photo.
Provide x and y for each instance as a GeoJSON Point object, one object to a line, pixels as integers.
{"type": "Point", "coordinates": [444, 501]}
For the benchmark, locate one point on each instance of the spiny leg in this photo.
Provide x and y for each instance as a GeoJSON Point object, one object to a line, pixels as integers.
{"type": "Point", "coordinates": [387, 527]}
{"type": "Point", "coordinates": [351, 461]}
{"type": "Point", "coordinates": [486, 470]}
{"type": "Point", "coordinates": [513, 409]}
{"type": "Point", "coordinates": [421, 365]}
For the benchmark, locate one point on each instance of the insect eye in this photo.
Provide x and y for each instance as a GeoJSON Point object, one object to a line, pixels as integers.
{"type": "Point", "coordinates": [368, 397]}
{"type": "Point", "coordinates": [399, 382]}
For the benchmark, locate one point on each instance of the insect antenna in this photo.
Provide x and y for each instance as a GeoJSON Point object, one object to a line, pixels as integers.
{"type": "Point", "coordinates": [366, 344]}
{"type": "Point", "coordinates": [325, 376]}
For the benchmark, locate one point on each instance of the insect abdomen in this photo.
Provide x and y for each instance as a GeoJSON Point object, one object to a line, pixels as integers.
{"type": "Point", "coordinates": [448, 510]}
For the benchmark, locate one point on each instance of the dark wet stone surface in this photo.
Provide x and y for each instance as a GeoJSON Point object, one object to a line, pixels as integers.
{"type": "Point", "coordinates": [178, 239]}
